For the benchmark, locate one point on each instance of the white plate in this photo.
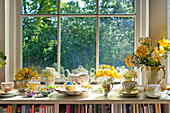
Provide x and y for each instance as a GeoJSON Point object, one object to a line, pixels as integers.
{"type": "Point", "coordinates": [74, 93]}
{"type": "Point", "coordinates": [153, 96]}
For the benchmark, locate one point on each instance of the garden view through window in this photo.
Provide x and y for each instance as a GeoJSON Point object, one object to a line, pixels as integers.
{"type": "Point", "coordinates": [79, 23]}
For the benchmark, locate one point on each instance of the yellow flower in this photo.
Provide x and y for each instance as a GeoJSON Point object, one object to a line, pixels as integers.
{"type": "Point", "coordinates": [146, 40]}
{"type": "Point", "coordinates": [127, 59]}
{"type": "Point", "coordinates": [142, 51]}
{"type": "Point", "coordinates": [157, 58]}
{"type": "Point", "coordinates": [106, 66]}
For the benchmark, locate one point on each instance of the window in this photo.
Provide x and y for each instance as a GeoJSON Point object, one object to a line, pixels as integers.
{"type": "Point", "coordinates": [68, 33]}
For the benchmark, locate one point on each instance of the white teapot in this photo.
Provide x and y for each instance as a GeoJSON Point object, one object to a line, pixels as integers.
{"type": "Point", "coordinates": [78, 75]}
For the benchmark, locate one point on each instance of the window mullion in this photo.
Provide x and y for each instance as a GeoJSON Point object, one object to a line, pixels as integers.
{"type": "Point", "coordinates": [97, 35]}
{"type": "Point", "coordinates": [58, 39]}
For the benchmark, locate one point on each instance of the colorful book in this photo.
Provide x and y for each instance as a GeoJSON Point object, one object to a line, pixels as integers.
{"type": "Point", "coordinates": [37, 109]}
{"type": "Point", "coordinates": [127, 108]}
{"type": "Point", "coordinates": [82, 108]}
{"type": "Point", "coordinates": [160, 111]}
{"type": "Point", "coordinates": [27, 109]}
{"type": "Point", "coordinates": [32, 109]}
{"type": "Point", "coordinates": [9, 109]}
{"type": "Point", "coordinates": [86, 108]}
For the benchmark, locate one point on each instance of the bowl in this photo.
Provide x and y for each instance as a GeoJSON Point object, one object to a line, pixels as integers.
{"type": "Point", "coordinates": [30, 94]}
{"type": "Point", "coordinates": [7, 86]}
{"type": "Point", "coordinates": [45, 91]}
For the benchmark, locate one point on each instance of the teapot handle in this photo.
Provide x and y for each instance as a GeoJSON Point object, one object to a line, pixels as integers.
{"type": "Point", "coordinates": [163, 75]}
{"type": "Point", "coordinates": [80, 66]}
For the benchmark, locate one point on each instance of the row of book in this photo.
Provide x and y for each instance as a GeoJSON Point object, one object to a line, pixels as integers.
{"type": "Point", "coordinates": [27, 108]}
{"type": "Point", "coordinates": [85, 108]}
{"type": "Point", "coordinates": [137, 108]}
{"type": "Point", "coordinates": [112, 108]}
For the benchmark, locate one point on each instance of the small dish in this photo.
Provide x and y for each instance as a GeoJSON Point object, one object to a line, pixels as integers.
{"type": "Point", "coordinates": [159, 94]}
{"type": "Point", "coordinates": [30, 94]}
{"type": "Point", "coordinates": [125, 94]}
{"type": "Point", "coordinates": [45, 91]}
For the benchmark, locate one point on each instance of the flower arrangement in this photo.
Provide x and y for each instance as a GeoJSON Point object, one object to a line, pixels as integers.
{"type": "Point", "coordinates": [26, 74]}
{"type": "Point", "coordinates": [106, 74]}
{"type": "Point", "coordinates": [149, 55]}
{"type": "Point", "coordinates": [49, 73]}
{"type": "Point", "coordinates": [129, 74]}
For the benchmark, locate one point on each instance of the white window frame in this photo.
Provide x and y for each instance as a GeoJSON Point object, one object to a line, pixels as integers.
{"type": "Point", "coordinates": [13, 41]}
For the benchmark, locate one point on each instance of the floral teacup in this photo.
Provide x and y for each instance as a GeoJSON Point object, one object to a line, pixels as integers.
{"type": "Point", "coordinates": [152, 89]}
{"type": "Point", "coordinates": [128, 86]}
{"type": "Point", "coordinates": [33, 85]}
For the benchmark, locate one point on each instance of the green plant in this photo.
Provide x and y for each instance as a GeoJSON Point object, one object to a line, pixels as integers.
{"type": "Point", "coordinates": [3, 57]}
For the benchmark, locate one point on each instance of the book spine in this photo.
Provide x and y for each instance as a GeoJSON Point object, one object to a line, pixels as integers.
{"type": "Point", "coordinates": [32, 108]}
{"type": "Point", "coordinates": [127, 108]}
{"type": "Point", "coordinates": [23, 109]}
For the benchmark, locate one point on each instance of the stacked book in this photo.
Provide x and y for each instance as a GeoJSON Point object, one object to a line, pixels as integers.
{"type": "Point", "coordinates": [27, 108]}
{"type": "Point", "coordinates": [86, 108]}
{"type": "Point", "coordinates": [137, 108]}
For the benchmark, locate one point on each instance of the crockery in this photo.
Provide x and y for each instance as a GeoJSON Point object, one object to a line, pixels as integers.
{"type": "Point", "coordinates": [7, 86]}
{"type": "Point", "coordinates": [33, 85]}
{"type": "Point", "coordinates": [128, 86]}
{"type": "Point", "coordinates": [152, 89]}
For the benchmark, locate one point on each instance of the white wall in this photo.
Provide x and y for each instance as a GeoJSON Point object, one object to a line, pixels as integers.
{"type": "Point", "coordinates": [158, 22]}
{"type": "Point", "coordinates": [2, 36]}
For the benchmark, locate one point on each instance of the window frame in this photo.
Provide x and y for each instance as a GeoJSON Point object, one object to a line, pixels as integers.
{"type": "Point", "coordinates": [15, 57]}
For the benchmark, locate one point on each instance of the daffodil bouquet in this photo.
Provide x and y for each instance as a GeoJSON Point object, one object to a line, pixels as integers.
{"type": "Point", "coordinates": [149, 55]}
{"type": "Point", "coordinates": [26, 74]}
{"type": "Point", "coordinates": [106, 74]}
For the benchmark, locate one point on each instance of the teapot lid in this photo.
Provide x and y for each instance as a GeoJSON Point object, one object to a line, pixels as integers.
{"type": "Point", "coordinates": [80, 68]}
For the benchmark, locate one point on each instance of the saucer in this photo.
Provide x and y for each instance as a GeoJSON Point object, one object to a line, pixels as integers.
{"type": "Point", "coordinates": [73, 93]}
{"type": "Point", "coordinates": [132, 94]}
{"type": "Point", "coordinates": [159, 94]}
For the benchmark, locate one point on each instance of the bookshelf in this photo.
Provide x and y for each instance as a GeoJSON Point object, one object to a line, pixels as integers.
{"type": "Point", "coordinates": [113, 98]}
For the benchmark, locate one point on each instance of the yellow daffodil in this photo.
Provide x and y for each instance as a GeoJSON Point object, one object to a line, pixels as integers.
{"type": "Point", "coordinates": [127, 59]}
{"type": "Point", "coordinates": [142, 51]}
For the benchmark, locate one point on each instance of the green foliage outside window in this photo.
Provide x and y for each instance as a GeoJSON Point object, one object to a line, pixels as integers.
{"type": "Point", "coordinates": [78, 34]}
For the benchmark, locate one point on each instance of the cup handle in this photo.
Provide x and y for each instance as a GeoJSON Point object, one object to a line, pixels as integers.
{"type": "Point", "coordinates": [163, 75]}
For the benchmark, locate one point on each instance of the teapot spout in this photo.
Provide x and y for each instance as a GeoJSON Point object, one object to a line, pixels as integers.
{"type": "Point", "coordinates": [68, 71]}
{"type": "Point", "coordinates": [65, 78]}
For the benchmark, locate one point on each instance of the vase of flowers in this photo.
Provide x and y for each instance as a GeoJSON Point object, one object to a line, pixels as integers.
{"type": "Point", "coordinates": [23, 76]}
{"type": "Point", "coordinates": [48, 76]}
{"type": "Point", "coordinates": [151, 58]}
{"type": "Point", "coordinates": [129, 75]}
{"type": "Point", "coordinates": [106, 74]}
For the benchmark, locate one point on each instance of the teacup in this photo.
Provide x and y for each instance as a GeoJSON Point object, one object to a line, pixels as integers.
{"type": "Point", "coordinates": [152, 89]}
{"type": "Point", "coordinates": [7, 86]}
{"type": "Point", "coordinates": [33, 85]}
{"type": "Point", "coordinates": [128, 86]}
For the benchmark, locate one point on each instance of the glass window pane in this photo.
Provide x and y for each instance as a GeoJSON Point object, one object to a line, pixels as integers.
{"type": "Point", "coordinates": [78, 42]}
{"type": "Point", "coordinates": [78, 6]}
{"type": "Point", "coordinates": [116, 39]}
{"type": "Point", "coordinates": [39, 48]}
{"type": "Point", "coordinates": [40, 6]}
{"type": "Point", "coordinates": [116, 6]}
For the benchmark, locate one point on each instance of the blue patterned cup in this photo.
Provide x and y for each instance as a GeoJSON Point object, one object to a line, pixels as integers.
{"type": "Point", "coordinates": [152, 89]}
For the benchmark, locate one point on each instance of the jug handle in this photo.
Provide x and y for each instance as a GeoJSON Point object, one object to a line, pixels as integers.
{"type": "Point", "coordinates": [163, 75]}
